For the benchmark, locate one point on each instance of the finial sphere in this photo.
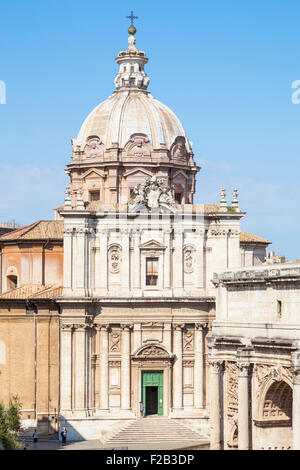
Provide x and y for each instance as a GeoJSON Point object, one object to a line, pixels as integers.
{"type": "Point", "coordinates": [132, 30]}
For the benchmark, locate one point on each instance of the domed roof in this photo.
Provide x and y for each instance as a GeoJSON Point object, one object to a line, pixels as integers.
{"type": "Point", "coordinates": [131, 109]}
{"type": "Point", "coordinates": [128, 112]}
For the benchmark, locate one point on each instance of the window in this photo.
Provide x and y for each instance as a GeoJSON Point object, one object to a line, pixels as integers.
{"type": "Point", "coordinates": [279, 308]}
{"type": "Point", "coordinates": [132, 82]}
{"type": "Point", "coordinates": [178, 197]}
{"type": "Point", "coordinates": [94, 195]}
{"type": "Point", "coordinates": [151, 271]}
{"type": "Point", "coordinates": [132, 69]}
{"type": "Point", "coordinates": [12, 282]}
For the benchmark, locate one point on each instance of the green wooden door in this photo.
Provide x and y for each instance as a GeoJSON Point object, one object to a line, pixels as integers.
{"type": "Point", "coordinates": [153, 379]}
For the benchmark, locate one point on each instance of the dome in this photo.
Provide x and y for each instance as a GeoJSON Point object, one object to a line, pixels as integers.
{"type": "Point", "coordinates": [131, 109]}
{"type": "Point", "coordinates": [129, 138]}
{"type": "Point", "coordinates": [128, 112]}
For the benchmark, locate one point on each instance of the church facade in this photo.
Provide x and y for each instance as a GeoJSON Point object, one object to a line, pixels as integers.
{"type": "Point", "coordinates": [132, 300]}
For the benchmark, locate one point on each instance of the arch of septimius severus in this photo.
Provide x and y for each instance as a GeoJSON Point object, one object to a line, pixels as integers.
{"type": "Point", "coordinates": [115, 302]}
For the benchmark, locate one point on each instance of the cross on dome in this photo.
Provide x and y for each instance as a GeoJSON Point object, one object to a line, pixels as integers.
{"type": "Point", "coordinates": [132, 28]}
{"type": "Point", "coordinates": [132, 17]}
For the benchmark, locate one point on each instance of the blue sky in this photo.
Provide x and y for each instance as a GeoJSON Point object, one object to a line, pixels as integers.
{"type": "Point", "coordinates": [225, 67]}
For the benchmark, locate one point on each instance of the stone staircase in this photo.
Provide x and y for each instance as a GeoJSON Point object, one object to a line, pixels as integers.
{"type": "Point", "coordinates": [157, 431]}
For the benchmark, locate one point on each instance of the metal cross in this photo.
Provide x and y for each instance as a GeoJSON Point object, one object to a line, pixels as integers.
{"type": "Point", "coordinates": [132, 17]}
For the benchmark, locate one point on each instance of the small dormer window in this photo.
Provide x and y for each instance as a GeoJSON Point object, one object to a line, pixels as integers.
{"type": "Point", "coordinates": [132, 69]}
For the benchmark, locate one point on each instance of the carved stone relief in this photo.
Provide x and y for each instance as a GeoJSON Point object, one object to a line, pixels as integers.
{"type": "Point", "coordinates": [114, 258]}
{"type": "Point", "coordinates": [114, 341]}
{"type": "Point", "coordinates": [138, 147]}
{"type": "Point", "coordinates": [232, 390]}
{"type": "Point", "coordinates": [188, 340]}
{"type": "Point", "coordinates": [94, 148]}
{"type": "Point", "coordinates": [178, 149]}
{"type": "Point", "coordinates": [189, 259]}
{"type": "Point", "coordinates": [151, 194]}
{"type": "Point", "coordinates": [263, 373]}
{"type": "Point", "coordinates": [153, 351]}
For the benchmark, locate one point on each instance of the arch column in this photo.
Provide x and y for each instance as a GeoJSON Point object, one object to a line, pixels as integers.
{"type": "Point", "coordinates": [177, 369]}
{"type": "Point", "coordinates": [198, 366]}
{"type": "Point", "coordinates": [215, 422]}
{"type": "Point", "coordinates": [66, 366]}
{"type": "Point", "coordinates": [243, 403]}
{"type": "Point", "coordinates": [103, 398]}
{"type": "Point", "coordinates": [296, 401]}
{"type": "Point", "coordinates": [125, 367]}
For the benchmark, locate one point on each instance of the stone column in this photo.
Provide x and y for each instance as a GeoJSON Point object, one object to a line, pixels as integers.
{"type": "Point", "coordinates": [215, 421]}
{"type": "Point", "coordinates": [136, 260]}
{"type": "Point", "coordinates": [68, 260]}
{"type": "Point", "coordinates": [103, 389]}
{"type": "Point", "coordinates": [80, 254]}
{"type": "Point", "coordinates": [167, 258]}
{"type": "Point", "coordinates": [199, 274]}
{"type": "Point", "coordinates": [80, 365]}
{"type": "Point", "coordinates": [177, 259]}
{"type": "Point", "coordinates": [243, 405]}
{"type": "Point", "coordinates": [177, 369]}
{"type": "Point", "coordinates": [296, 400]}
{"type": "Point", "coordinates": [125, 273]}
{"type": "Point", "coordinates": [137, 336]}
{"type": "Point", "coordinates": [101, 270]}
{"type": "Point", "coordinates": [66, 366]}
{"type": "Point", "coordinates": [125, 368]}
{"type": "Point", "coordinates": [198, 366]}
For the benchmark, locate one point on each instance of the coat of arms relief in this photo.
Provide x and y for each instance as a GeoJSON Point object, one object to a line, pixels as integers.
{"type": "Point", "coordinates": [151, 194]}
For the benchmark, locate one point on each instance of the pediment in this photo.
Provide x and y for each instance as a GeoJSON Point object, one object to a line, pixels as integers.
{"type": "Point", "coordinates": [152, 351]}
{"type": "Point", "coordinates": [152, 245]}
{"type": "Point", "coordinates": [93, 173]}
{"type": "Point", "coordinates": [137, 172]}
{"type": "Point", "coordinates": [180, 173]}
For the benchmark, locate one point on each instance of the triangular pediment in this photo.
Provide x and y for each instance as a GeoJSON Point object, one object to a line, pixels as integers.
{"type": "Point", "coordinates": [93, 173]}
{"type": "Point", "coordinates": [152, 245]}
{"type": "Point", "coordinates": [141, 171]}
{"type": "Point", "coordinates": [180, 173]}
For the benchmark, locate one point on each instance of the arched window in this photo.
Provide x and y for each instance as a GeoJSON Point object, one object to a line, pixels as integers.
{"type": "Point", "coordinates": [11, 278]}
{"type": "Point", "coordinates": [12, 282]}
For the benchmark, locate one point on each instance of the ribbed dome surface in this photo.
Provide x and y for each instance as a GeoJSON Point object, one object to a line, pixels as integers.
{"type": "Point", "coordinates": [129, 112]}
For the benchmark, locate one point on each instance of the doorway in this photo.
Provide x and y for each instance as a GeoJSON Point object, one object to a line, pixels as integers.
{"type": "Point", "coordinates": [152, 400]}
{"type": "Point", "coordinates": [152, 392]}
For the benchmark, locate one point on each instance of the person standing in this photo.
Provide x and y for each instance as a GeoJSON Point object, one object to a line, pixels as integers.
{"type": "Point", "coordinates": [141, 409]}
{"type": "Point", "coordinates": [35, 439]}
{"type": "Point", "coordinates": [64, 435]}
{"type": "Point", "coordinates": [35, 436]}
